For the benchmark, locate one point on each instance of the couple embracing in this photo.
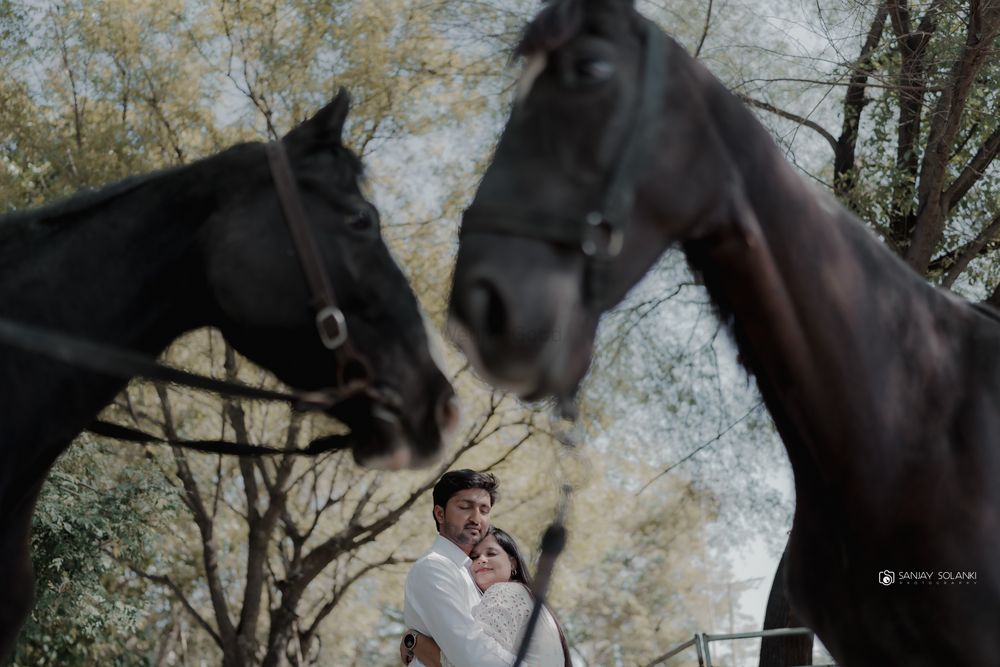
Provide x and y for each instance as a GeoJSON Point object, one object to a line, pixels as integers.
{"type": "Point", "coordinates": [468, 599]}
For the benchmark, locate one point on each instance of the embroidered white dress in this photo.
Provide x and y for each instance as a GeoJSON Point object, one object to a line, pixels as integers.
{"type": "Point", "coordinates": [503, 614]}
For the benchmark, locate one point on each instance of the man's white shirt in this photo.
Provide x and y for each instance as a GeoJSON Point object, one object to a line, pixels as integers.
{"type": "Point", "coordinates": [439, 597]}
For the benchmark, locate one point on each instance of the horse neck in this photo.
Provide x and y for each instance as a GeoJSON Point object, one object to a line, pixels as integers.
{"type": "Point", "coordinates": [124, 271]}
{"type": "Point", "coordinates": [818, 307]}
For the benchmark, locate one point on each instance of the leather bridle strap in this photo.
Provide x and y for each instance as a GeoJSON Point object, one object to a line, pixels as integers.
{"type": "Point", "coordinates": [222, 447]}
{"type": "Point", "coordinates": [598, 233]}
{"type": "Point", "coordinates": [620, 195]}
{"type": "Point", "coordinates": [329, 318]}
{"type": "Point", "coordinates": [119, 362]}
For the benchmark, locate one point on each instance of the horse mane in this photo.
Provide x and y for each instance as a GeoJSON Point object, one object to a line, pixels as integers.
{"type": "Point", "coordinates": [64, 209]}
{"type": "Point", "coordinates": [80, 201]}
{"type": "Point", "coordinates": [12, 222]}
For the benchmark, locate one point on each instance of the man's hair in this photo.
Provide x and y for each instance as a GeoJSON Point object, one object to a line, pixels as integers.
{"type": "Point", "coordinates": [454, 481]}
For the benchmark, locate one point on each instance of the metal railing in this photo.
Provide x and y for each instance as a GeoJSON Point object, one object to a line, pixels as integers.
{"type": "Point", "coordinates": [701, 640]}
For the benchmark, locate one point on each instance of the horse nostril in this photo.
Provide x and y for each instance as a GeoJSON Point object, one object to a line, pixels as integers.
{"type": "Point", "coordinates": [488, 309]}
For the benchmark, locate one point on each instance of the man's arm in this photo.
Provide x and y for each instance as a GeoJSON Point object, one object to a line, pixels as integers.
{"type": "Point", "coordinates": [439, 597]}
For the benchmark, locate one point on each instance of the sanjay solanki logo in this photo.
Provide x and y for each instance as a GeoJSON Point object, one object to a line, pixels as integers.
{"type": "Point", "coordinates": [888, 577]}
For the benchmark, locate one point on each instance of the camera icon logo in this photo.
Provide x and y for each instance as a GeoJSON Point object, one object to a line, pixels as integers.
{"type": "Point", "coordinates": [887, 577]}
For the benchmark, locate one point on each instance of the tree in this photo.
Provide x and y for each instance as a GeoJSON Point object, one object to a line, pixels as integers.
{"type": "Point", "coordinates": [914, 154]}
{"type": "Point", "coordinates": [307, 530]}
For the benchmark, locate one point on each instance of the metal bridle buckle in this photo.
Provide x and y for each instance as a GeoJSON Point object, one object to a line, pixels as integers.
{"type": "Point", "coordinates": [601, 239]}
{"type": "Point", "coordinates": [332, 327]}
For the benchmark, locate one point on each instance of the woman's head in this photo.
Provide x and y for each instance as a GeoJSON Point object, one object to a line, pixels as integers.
{"type": "Point", "coordinates": [497, 559]}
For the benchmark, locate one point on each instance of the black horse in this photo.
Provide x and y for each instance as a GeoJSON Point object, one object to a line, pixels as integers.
{"type": "Point", "coordinates": [885, 390]}
{"type": "Point", "coordinates": [139, 262]}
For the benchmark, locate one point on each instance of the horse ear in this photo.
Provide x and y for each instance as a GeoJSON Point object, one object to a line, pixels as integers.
{"type": "Point", "coordinates": [325, 127]}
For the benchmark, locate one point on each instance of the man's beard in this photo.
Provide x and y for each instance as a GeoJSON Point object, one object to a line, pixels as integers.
{"type": "Point", "coordinates": [463, 536]}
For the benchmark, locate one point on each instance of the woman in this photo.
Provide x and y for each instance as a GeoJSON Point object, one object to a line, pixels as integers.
{"type": "Point", "coordinates": [498, 569]}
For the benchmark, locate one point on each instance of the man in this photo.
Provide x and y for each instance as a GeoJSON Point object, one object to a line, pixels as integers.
{"type": "Point", "coordinates": [440, 593]}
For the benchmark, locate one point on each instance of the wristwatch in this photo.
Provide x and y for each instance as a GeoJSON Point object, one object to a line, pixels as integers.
{"type": "Point", "coordinates": [409, 643]}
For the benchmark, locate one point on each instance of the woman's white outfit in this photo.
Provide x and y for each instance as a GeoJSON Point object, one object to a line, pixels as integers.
{"type": "Point", "coordinates": [504, 612]}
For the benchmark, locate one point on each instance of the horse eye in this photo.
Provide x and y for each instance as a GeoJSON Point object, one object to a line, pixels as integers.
{"type": "Point", "coordinates": [593, 70]}
{"type": "Point", "coordinates": [361, 220]}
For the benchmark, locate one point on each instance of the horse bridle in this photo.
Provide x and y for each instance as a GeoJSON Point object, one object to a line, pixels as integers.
{"type": "Point", "coordinates": [330, 321]}
{"type": "Point", "coordinates": [598, 233]}
{"type": "Point", "coordinates": [353, 369]}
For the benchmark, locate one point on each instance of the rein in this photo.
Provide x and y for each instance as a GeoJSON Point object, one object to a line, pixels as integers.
{"type": "Point", "coordinates": [553, 543]}
{"type": "Point", "coordinates": [600, 232]}
{"type": "Point", "coordinates": [354, 371]}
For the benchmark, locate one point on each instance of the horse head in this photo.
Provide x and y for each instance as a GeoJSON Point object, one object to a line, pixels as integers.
{"type": "Point", "coordinates": [265, 308]}
{"type": "Point", "coordinates": [576, 204]}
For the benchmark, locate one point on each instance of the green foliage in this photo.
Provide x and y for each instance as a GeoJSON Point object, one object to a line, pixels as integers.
{"type": "Point", "coordinates": [91, 516]}
{"type": "Point", "coordinates": [13, 31]}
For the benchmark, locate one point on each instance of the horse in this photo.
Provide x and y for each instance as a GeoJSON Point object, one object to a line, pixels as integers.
{"type": "Point", "coordinates": [884, 389]}
{"type": "Point", "coordinates": [137, 263]}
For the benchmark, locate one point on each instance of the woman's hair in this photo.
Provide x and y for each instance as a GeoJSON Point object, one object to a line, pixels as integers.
{"type": "Point", "coordinates": [521, 574]}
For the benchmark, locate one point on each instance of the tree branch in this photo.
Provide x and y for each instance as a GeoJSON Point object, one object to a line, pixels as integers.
{"type": "Point", "coordinates": [164, 580]}
{"type": "Point", "coordinates": [359, 507]}
{"type": "Point", "coordinates": [704, 31]}
{"type": "Point", "coordinates": [912, 81]}
{"type": "Point", "coordinates": [338, 594]}
{"type": "Point", "coordinates": [258, 529]}
{"type": "Point", "coordinates": [153, 100]}
{"type": "Point", "coordinates": [973, 171]}
{"type": "Point", "coordinates": [805, 122]}
{"type": "Point", "coordinates": [971, 250]}
{"type": "Point", "coordinates": [77, 103]}
{"type": "Point", "coordinates": [854, 103]}
{"type": "Point", "coordinates": [982, 30]}
{"type": "Point", "coordinates": [227, 632]}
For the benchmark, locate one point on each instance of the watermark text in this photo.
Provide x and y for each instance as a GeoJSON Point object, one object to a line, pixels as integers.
{"type": "Point", "coordinates": [926, 577]}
